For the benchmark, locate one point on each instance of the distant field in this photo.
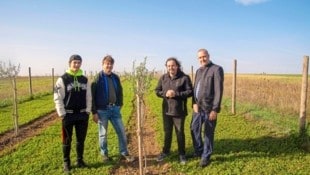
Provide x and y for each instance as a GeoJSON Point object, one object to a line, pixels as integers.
{"type": "Point", "coordinates": [279, 92]}
{"type": "Point", "coordinates": [39, 85]}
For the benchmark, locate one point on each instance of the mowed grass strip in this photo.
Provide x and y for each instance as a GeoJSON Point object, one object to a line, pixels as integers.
{"type": "Point", "coordinates": [252, 142]}
{"type": "Point", "coordinates": [255, 141]}
{"type": "Point", "coordinates": [27, 111]}
{"type": "Point", "coordinates": [43, 154]}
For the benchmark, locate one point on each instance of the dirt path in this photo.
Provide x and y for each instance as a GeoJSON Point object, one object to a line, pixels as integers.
{"type": "Point", "coordinates": [150, 149]}
{"type": "Point", "coordinates": [8, 140]}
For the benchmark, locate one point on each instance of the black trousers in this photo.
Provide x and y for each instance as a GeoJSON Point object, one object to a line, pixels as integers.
{"type": "Point", "coordinates": [178, 123]}
{"type": "Point", "coordinates": [80, 123]}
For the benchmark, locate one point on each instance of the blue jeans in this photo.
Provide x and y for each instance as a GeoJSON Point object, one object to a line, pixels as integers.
{"type": "Point", "coordinates": [205, 148]}
{"type": "Point", "coordinates": [113, 114]}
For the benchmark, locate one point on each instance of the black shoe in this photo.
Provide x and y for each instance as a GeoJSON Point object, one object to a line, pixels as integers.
{"type": "Point", "coordinates": [161, 157]}
{"type": "Point", "coordinates": [182, 159]}
{"type": "Point", "coordinates": [67, 167]}
{"type": "Point", "coordinates": [81, 164]}
{"type": "Point", "coordinates": [128, 158]}
{"type": "Point", "coordinates": [204, 162]}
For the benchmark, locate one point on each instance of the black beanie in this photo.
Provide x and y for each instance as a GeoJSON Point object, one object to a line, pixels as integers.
{"type": "Point", "coordinates": [75, 57]}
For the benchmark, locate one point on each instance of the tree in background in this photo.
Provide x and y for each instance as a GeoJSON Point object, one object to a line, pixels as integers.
{"type": "Point", "coordinates": [11, 71]}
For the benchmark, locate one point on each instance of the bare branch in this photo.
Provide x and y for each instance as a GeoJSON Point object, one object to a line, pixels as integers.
{"type": "Point", "coordinates": [9, 71]}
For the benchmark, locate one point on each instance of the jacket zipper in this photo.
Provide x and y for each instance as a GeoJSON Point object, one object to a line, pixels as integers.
{"type": "Point", "coordinates": [68, 99]}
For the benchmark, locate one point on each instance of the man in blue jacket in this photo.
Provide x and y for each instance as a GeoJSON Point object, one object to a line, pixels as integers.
{"type": "Point", "coordinates": [107, 93]}
{"type": "Point", "coordinates": [208, 91]}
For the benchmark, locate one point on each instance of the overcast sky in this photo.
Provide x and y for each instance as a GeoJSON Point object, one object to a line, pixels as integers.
{"type": "Point", "coordinates": [269, 36]}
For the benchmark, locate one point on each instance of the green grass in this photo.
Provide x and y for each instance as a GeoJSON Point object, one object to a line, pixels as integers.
{"type": "Point", "coordinates": [27, 111]}
{"type": "Point", "coordinates": [254, 141]}
{"type": "Point", "coordinates": [250, 146]}
{"type": "Point", "coordinates": [9, 102]}
{"type": "Point", "coordinates": [43, 154]}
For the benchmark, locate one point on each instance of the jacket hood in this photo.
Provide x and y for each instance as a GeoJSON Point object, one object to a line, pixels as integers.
{"type": "Point", "coordinates": [78, 73]}
{"type": "Point", "coordinates": [76, 84]}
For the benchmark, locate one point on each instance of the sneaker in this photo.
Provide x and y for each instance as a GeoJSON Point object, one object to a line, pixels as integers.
{"type": "Point", "coordinates": [128, 158]}
{"type": "Point", "coordinates": [182, 159]}
{"type": "Point", "coordinates": [204, 162]}
{"type": "Point", "coordinates": [106, 158]}
{"type": "Point", "coordinates": [81, 164]}
{"type": "Point", "coordinates": [67, 167]}
{"type": "Point", "coordinates": [161, 157]}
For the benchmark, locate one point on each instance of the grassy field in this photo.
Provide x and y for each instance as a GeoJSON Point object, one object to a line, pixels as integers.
{"type": "Point", "coordinates": [40, 86]}
{"type": "Point", "coordinates": [30, 107]}
{"type": "Point", "coordinates": [259, 139]}
{"type": "Point", "coordinates": [42, 154]}
{"type": "Point", "coordinates": [28, 111]}
{"type": "Point", "coordinates": [278, 92]}
{"type": "Point", "coordinates": [255, 141]}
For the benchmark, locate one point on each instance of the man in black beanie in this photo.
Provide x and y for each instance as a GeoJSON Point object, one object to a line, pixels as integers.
{"type": "Point", "coordinates": [72, 97]}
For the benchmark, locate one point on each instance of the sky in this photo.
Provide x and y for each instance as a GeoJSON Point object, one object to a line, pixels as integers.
{"type": "Point", "coordinates": [264, 36]}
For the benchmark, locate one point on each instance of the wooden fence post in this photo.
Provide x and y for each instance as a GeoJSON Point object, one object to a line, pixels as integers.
{"type": "Point", "coordinates": [233, 94]}
{"type": "Point", "coordinates": [192, 73]}
{"type": "Point", "coordinates": [30, 83]}
{"type": "Point", "coordinates": [303, 102]}
{"type": "Point", "coordinates": [53, 80]}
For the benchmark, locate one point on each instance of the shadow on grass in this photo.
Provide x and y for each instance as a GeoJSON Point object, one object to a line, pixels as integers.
{"type": "Point", "coordinates": [267, 146]}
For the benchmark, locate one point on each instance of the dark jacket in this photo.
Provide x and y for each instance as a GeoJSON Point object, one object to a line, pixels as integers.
{"type": "Point", "coordinates": [100, 91]}
{"type": "Point", "coordinates": [72, 93]}
{"type": "Point", "coordinates": [75, 97]}
{"type": "Point", "coordinates": [211, 78]}
{"type": "Point", "coordinates": [183, 88]}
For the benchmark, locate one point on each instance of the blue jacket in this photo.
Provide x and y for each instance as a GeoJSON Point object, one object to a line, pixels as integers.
{"type": "Point", "coordinates": [100, 91]}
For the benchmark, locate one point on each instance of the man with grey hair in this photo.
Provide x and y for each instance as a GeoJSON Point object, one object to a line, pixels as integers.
{"type": "Point", "coordinates": [208, 91]}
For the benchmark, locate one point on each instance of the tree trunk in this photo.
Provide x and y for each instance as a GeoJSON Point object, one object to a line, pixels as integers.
{"type": "Point", "coordinates": [15, 110]}
{"type": "Point", "coordinates": [139, 131]}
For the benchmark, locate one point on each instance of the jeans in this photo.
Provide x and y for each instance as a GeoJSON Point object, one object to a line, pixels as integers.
{"type": "Point", "coordinates": [205, 148]}
{"type": "Point", "coordinates": [178, 123]}
{"type": "Point", "coordinates": [113, 114]}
